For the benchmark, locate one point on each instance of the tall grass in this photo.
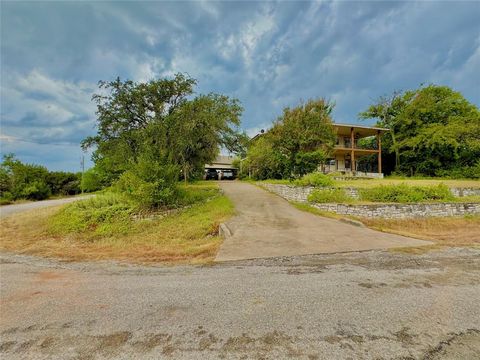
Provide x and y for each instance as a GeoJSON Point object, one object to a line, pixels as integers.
{"type": "Point", "coordinates": [329, 196]}
{"type": "Point", "coordinates": [315, 179]}
{"type": "Point", "coordinates": [104, 228]}
{"type": "Point", "coordinates": [403, 193]}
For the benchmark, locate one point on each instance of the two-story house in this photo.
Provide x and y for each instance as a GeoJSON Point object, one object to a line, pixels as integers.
{"type": "Point", "coordinates": [348, 149]}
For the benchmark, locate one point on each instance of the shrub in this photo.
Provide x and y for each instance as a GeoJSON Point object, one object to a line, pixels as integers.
{"type": "Point", "coordinates": [404, 193]}
{"type": "Point", "coordinates": [63, 183]}
{"type": "Point", "coordinates": [329, 196]}
{"type": "Point", "coordinates": [188, 195]}
{"type": "Point", "coordinates": [6, 198]}
{"type": "Point", "coordinates": [466, 172]}
{"type": "Point", "coordinates": [91, 180]}
{"type": "Point", "coordinates": [315, 179]}
{"type": "Point", "coordinates": [150, 184]}
{"type": "Point", "coordinates": [36, 190]}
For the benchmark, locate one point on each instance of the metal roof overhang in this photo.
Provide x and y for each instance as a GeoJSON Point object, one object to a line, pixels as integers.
{"type": "Point", "coordinates": [361, 131]}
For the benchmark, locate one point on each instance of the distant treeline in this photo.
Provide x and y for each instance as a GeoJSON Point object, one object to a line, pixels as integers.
{"type": "Point", "coordinates": [34, 182]}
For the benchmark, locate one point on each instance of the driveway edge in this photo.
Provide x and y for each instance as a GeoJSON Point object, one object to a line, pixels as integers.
{"type": "Point", "coordinates": [224, 231]}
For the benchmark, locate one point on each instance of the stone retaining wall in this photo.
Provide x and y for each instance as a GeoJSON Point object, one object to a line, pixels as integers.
{"type": "Point", "coordinates": [389, 211]}
{"type": "Point", "coordinates": [402, 211]}
{"type": "Point", "coordinates": [300, 193]}
{"type": "Point", "coordinates": [460, 192]}
{"type": "Point", "coordinates": [289, 192]}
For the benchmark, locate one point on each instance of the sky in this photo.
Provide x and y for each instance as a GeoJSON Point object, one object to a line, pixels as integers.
{"type": "Point", "coordinates": [269, 55]}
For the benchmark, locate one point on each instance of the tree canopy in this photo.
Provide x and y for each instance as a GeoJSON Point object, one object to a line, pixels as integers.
{"type": "Point", "coordinates": [298, 143]}
{"type": "Point", "coordinates": [28, 181]}
{"type": "Point", "coordinates": [434, 131]}
{"type": "Point", "coordinates": [150, 132]}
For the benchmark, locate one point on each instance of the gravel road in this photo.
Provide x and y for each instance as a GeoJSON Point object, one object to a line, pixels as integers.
{"type": "Point", "coordinates": [363, 305]}
{"type": "Point", "coordinates": [7, 210]}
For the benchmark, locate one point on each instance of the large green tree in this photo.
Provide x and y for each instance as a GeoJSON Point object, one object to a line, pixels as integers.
{"type": "Point", "coordinates": [151, 132]}
{"type": "Point", "coordinates": [434, 130]}
{"type": "Point", "coordinates": [298, 143]}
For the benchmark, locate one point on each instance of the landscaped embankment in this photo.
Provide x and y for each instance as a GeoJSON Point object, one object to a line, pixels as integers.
{"type": "Point", "coordinates": [382, 210]}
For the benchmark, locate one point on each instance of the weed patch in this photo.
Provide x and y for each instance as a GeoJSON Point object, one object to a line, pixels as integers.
{"type": "Point", "coordinates": [103, 228]}
{"type": "Point", "coordinates": [315, 179]}
{"type": "Point", "coordinates": [329, 196]}
{"type": "Point", "coordinates": [404, 193]}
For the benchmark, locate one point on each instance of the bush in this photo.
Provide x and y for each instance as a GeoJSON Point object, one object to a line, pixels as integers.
{"type": "Point", "coordinates": [315, 179]}
{"type": "Point", "coordinates": [466, 172]}
{"type": "Point", "coordinates": [150, 184]}
{"type": "Point", "coordinates": [63, 183]}
{"type": "Point", "coordinates": [404, 193]}
{"type": "Point", "coordinates": [36, 190]}
{"type": "Point", "coordinates": [189, 194]}
{"type": "Point", "coordinates": [91, 180]}
{"type": "Point", "coordinates": [6, 198]}
{"type": "Point", "coordinates": [329, 196]}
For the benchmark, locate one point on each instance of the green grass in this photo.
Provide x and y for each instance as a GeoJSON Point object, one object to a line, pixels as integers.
{"type": "Point", "coordinates": [404, 193]}
{"type": "Point", "coordinates": [315, 179]}
{"type": "Point", "coordinates": [367, 183]}
{"type": "Point", "coordinates": [330, 196]}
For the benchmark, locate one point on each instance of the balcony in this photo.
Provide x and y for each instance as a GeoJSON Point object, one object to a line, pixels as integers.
{"type": "Point", "coordinates": [346, 144]}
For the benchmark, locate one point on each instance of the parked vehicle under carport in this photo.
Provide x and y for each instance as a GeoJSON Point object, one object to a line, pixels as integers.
{"type": "Point", "coordinates": [211, 174]}
{"type": "Point", "coordinates": [227, 175]}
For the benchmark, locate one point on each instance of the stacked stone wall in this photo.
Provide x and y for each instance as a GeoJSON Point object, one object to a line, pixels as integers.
{"type": "Point", "coordinates": [388, 211]}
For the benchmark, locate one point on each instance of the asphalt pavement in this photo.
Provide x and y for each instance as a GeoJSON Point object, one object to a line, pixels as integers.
{"type": "Point", "coordinates": [7, 210]}
{"type": "Point", "coordinates": [362, 305]}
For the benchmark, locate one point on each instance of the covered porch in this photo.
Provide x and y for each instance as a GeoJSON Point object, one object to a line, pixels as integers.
{"type": "Point", "coordinates": [349, 151]}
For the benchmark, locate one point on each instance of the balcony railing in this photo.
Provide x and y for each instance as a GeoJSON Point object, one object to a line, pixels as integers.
{"type": "Point", "coordinates": [347, 144]}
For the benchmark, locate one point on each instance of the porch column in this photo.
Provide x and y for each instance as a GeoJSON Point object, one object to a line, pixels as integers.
{"type": "Point", "coordinates": [379, 145]}
{"type": "Point", "coordinates": [352, 154]}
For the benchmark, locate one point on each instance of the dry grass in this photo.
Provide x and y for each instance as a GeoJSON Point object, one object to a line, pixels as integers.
{"type": "Point", "coordinates": [449, 231]}
{"type": "Point", "coordinates": [443, 232]}
{"type": "Point", "coordinates": [367, 183]}
{"type": "Point", "coordinates": [189, 236]}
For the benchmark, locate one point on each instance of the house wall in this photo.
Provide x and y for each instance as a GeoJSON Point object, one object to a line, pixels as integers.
{"type": "Point", "coordinates": [340, 162]}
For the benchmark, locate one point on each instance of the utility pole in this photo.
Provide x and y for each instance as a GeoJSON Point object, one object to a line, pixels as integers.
{"type": "Point", "coordinates": [82, 164]}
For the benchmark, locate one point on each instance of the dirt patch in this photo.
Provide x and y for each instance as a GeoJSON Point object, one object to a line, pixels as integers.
{"type": "Point", "coordinates": [372, 285]}
{"type": "Point", "coordinates": [7, 346]}
{"type": "Point", "coordinates": [48, 275]}
{"type": "Point", "coordinates": [404, 336]}
{"type": "Point", "coordinates": [152, 341]}
{"type": "Point", "coordinates": [464, 345]}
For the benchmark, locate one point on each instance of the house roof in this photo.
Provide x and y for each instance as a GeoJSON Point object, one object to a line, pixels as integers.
{"type": "Point", "coordinates": [222, 162]}
{"type": "Point", "coordinates": [344, 129]}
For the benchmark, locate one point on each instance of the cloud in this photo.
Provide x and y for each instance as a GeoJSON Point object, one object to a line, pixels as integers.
{"type": "Point", "coordinates": [268, 54]}
{"type": "Point", "coordinates": [39, 108]}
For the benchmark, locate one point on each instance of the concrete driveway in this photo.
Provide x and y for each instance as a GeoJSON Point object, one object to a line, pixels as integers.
{"type": "Point", "coordinates": [267, 225]}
